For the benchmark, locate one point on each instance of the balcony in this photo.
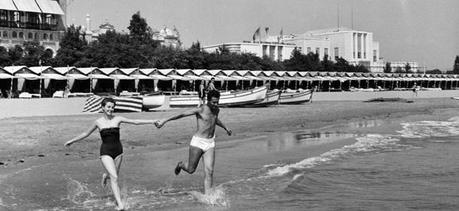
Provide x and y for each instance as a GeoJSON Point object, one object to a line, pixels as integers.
{"type": "Point", "coordinates": [28, 25]}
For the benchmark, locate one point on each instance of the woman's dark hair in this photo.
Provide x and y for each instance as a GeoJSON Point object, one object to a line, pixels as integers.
{"type": "Point", "coordinates": [107, 100]}
{"type": "Point", "coordinates": [213, 93]}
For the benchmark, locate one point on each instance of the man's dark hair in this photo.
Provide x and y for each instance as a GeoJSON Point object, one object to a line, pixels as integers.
{"type": "Point", "coordinates": [213, 93]}
{"type": "Point", "coordinates": [107, 100]}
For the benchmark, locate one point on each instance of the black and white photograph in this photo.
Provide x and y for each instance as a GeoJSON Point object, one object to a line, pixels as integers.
{"type": "Point", "coordinates": [229, 105]}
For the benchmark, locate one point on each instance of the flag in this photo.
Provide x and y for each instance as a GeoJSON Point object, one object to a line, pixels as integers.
{"type": "Point", "coordinates": [256, 34]}
{"type": "Point", "coordinates": [281, 34]}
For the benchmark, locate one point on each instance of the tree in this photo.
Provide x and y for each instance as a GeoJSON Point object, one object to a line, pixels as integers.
{"type": "Point", "coordinates": [301, 62]}
{"type": "Point", "coordinates": [139, 29]}
{"type": "Point", "coordinates": [72, 47]}
{"type": "Point", "coordinates": [407, 67]}
{"type": "Point", "coordinates": [15, 54]}
{"type": "Point", "coordinates": [33, 53]}
{"type": "Point", "coordinates": [434, 71]}
{"type": "Point", "coordinates": [4, 57]}
{"type": "Point", "coordinates": [456, 65]}
{"type": "Point", "coordinates": [388, 68]}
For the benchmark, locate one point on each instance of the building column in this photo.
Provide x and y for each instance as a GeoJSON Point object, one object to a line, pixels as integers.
{"type": "Point", "coordinates": [354, 39]}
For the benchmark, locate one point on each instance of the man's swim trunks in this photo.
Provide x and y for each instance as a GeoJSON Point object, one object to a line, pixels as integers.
{"type": "Point", "coordinates": [111, 144]}
{"type": "Point", "coordinates": [203, 143]}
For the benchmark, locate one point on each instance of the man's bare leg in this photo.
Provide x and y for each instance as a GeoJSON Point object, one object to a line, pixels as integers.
{"type": "Point", "coordinates": [209, 160]}
{"type": "Point", "coordinates": [193, 161]}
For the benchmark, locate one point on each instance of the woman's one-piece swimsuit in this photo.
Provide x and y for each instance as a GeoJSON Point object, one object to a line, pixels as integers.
{"type": "Point", "coordinates": [111, 144]}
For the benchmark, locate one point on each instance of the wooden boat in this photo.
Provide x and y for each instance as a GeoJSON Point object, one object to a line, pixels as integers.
{"type": "Point", "coordinates": [297, 97]}
{"type": "Point", "coordinates": [272, 98]}
{"type": "Point", "coordinates": [241, 98]}
{"type": "Point", "coordinates": [153, 101]}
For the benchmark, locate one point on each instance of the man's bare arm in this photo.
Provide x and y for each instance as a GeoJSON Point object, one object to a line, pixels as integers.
{"type": "Point", "coordinates": [220, 123]}
{"type": "Point", "coordinates": [161, 122]}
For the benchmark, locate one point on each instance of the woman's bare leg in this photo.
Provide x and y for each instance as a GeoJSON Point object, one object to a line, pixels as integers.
{"type": "Point", "coordinates": [111, 168]}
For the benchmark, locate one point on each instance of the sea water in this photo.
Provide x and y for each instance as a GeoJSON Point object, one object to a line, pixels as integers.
{"type": "Point", "coordinates": [412, 168]}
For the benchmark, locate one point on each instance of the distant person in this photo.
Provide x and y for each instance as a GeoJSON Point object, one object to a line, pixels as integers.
{"type": "Point", "coordinates": [211, 85]}
{"type": "Point", "coordinates": [202, 93]}
{"type": "Point", "coordinates": [415, 90]}
{"type": "Point", "coordinates": [203, 142]}
{"type": "Point", "coordinates": [111, 150]}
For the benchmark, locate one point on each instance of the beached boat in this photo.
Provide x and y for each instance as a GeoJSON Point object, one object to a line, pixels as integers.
{"type": "Point", "coordinates": [295, 97]}
{"type": "Point", "coordinates": [241, 98]}
{"type": "Point", "coordinates": [272, 98]}
{"type": "Point", "coordinates": [153, 101]}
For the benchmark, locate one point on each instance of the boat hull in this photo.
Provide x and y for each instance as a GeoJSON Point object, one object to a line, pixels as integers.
{"type": "Point", "coordinates": [295, 97]}
{"type": "Point", "coordinates": [226, 99]}
{"type": "Point", "coordinates": [272, 98]}
{"type": "Point", "coordinates": [153, 101]}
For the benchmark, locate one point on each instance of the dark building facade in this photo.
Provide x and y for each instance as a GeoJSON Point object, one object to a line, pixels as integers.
{"type": "Point", "coordinates": [32, 20]}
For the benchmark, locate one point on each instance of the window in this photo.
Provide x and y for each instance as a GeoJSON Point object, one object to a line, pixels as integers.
{"type": "Point", "coordinates": [30, 36]}
{"type": "Point", "coordinates": [326, 51]}
{"type": "Point", "coordinates": [5, 34]}
{"type": "Point", "coordinates": [16, 16]}
{"type": "Point", "coordinates": [51, 36]}
{"type": "Point", "coordinates": [45, 36]}
{"type": "Point", "coordinates": [308, 50]}
{"type": "Point", "coordinates": [15, 34]}
{"type": "Point", "coordinates": [318, 51]}
{"type": "Point", "coordinates": [36, 36]}
{"type": "Point", "coordinates": [375, 56]}
{"type": "Point", "coordinates": [336, 53]}
{"type": "Point", "coordinates": [21, 35]}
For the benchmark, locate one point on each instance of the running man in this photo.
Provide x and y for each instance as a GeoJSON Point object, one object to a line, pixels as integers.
{"type": "Point", "coordinates": [203, 142]}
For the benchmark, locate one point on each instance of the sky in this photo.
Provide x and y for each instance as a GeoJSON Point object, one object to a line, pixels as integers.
{"type": "Point", "coordinates": [426, 31]}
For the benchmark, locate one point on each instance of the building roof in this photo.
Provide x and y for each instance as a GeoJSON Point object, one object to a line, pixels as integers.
{"type": "Point", "coordinates": [7, 5]}
{"type": "Point", "coordinates": [50, 6]}
{"type": "Point", "coordinates": [27, 6]}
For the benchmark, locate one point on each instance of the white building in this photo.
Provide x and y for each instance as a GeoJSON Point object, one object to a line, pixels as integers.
{"type": "Point", "coordinates": [168, 37]}
{"type": "Point", "coordinates": [274, 50]}
{"type": "Point", "coordinates": [357, 47]}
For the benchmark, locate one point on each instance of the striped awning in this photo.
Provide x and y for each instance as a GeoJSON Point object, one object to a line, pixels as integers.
{"type": "Point", "coordinates": [50, 7]}
{"type": "Point", "coordinates": [121, 77]}
{"type": "Point", "coordinates": [27, 76]}
{"type": "Point", "coordinates": [54, 76]}
{"type": "Point", "coordinates": [27, 6]}
{"type": "Point", "coordinates": [77, 76]}
{"type": "Point", "coordinates": [7, 5]}
{"type": "Point", "coordinates": [160, 77]}
{"type": "Point", "coordinates": [4, 75]}
{"type": "Point", "coordinates": [99, 76]}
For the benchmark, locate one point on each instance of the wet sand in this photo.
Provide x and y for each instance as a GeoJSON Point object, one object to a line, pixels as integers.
{"type": "Point", "coordinates": [38, 172]}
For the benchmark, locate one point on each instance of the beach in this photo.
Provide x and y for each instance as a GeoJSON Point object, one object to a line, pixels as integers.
{"type": "Point", "coordinates": [281, 157]}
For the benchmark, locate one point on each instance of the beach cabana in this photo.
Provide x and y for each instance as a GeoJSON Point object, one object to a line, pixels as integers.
{"type": "Point", "coordinates": [52, 80]}
{"type": "Point", "coordinates": [252, 75]}
{"type": "Point", "coordinates": [142, 82]}
{"type": "Point", "coordinates": [100, 81]}
{"type": "Point", "coordinates": [25, 80]}
{"type": "Point", "coordinates": [6, 83]}
{"type": "Point", "coordinates": [162, 81]}
{"type": "Point", "coordinates": [122, 81]}
{"type": "Point", "coordinates": [194, 79]}
{"type": "Point", "coordinates": [77, 81]}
